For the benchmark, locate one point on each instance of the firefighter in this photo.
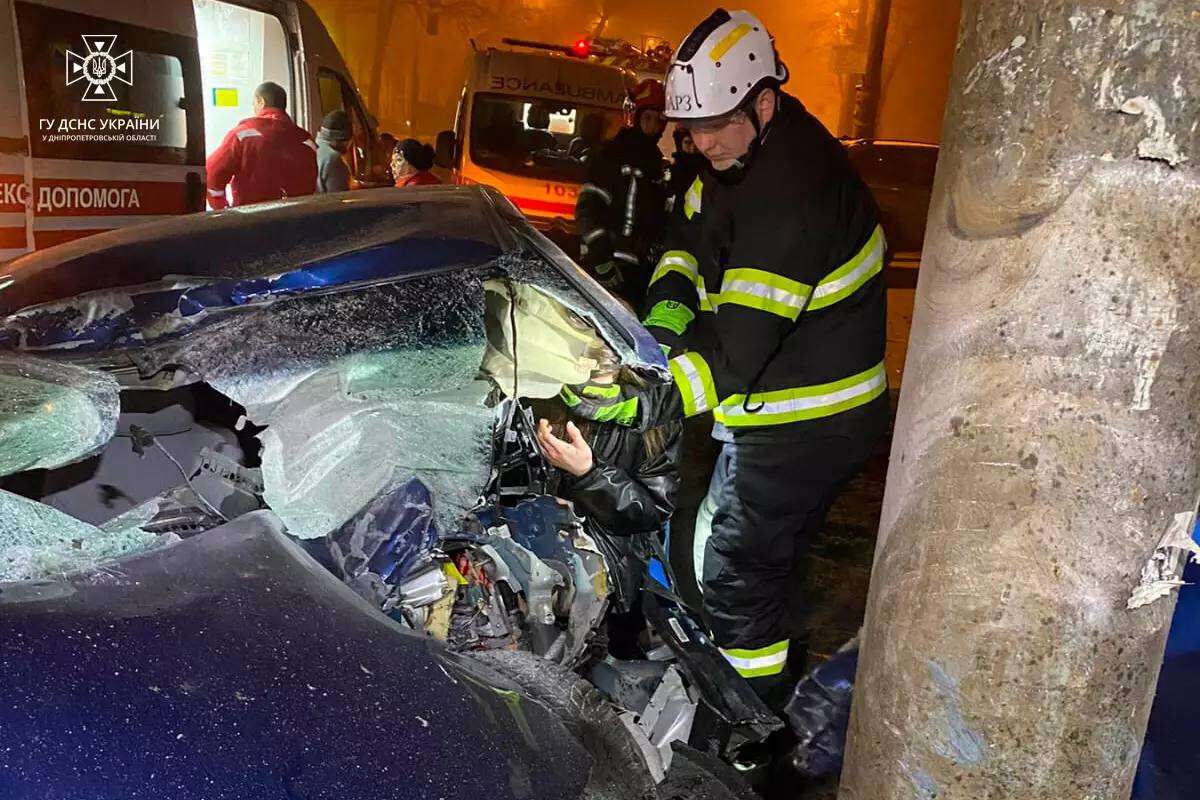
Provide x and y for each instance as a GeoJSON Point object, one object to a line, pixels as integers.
{"type": "Point", "coordinates": [264, 157]}
{"type": "Point", "coordinates": [622, 207]}
{"type": "Point", "coordinates": [770, 301]}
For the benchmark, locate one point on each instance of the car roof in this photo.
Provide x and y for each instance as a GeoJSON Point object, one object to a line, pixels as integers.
{"type": "Point", "coordinates": [248, 255]}
{"type": "Point", "coordinates": [449, 225]}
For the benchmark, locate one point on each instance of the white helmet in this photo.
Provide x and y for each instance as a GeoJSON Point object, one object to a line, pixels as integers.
{"type": "Point", "coordinates": [724, 60]}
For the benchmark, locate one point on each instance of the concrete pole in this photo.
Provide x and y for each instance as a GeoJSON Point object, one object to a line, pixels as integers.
{"type": "Point", "coordinates": [1047, 434]}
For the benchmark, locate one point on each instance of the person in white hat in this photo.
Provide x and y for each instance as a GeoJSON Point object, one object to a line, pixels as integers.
{"type": "Point", "coordinates": [770, 302]}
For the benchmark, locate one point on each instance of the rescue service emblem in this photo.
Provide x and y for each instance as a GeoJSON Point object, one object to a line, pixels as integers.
{"type": "Point", "coordinates": [99, 67]}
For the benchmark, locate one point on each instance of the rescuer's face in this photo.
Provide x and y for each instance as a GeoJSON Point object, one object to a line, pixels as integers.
{"type": "Point", "coordinates": [653, 122]}
{"type": "Point", "coordinates": [727, 140]}
{"type": "Point", "coordinates": [724, 142]}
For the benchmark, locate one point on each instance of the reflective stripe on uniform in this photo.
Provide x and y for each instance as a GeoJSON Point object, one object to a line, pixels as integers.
{"type": "Point", "coordinates": [691, 200]}
{"type": "Point", "coordinates": [758, 663]}
{"type": "Point", "coordinates": [216, 192]}
{"type": "Point", "coordinates": [694, 380]}
{"type": "Point", "coordinates": [803, 403]}
{"type": "Point", "coordinates": [622, 413]}
{"type": "Point", "coordinates": [686, 265]}
{"type": "Point", "coordinates": [670, 315]}
{"type": "Point", "coordinates": [848, 278]}
{"type": "Point", "coordinates": [246, 133]}
{"type": "Point", "coordinates": [765, 291]}
{"type": "Point", "coordinates": [592, 236]}
{"type": "Point", "coordinates": [594, 189]}
{"type": "Point", "coordinates": [679, 261]}
{"type": "Point", "coordinates": [607, 392]}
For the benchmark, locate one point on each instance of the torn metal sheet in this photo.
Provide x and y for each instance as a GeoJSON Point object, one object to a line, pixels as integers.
{"type": "Point", "coordinates": [1164, 571]}
{"type": "Point", "coordinates": [375, 550]}
{"type": "Point", "coordinates": [668, 717]}
{"type": "Point", "coordinates": [52, 414]}
{"type": "Point", "coordinates": [38, 542]}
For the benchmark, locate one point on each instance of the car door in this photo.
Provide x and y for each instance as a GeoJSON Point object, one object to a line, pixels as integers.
{"type": "Point", "coordinates": [332, 88]}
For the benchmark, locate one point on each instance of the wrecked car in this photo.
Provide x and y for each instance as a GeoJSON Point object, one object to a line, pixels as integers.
{"type": "Point", "coordinates": [274, 505]}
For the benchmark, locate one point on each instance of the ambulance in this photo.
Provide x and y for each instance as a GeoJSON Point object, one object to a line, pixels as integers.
{"type": "Point", "coordinates": [109, 107]}
{"type": "Point", "coordinates": [526, 119]}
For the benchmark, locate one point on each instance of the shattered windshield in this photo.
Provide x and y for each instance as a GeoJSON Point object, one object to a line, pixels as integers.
{"type": "Point", "coordinates": [536, 138]}
{"type": "Point", "coordinates": [311, 404]}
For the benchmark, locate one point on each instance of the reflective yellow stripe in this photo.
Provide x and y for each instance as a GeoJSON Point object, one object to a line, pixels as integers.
{"type": "Point", "coordinates": [622, 413]}
{"type": "Point", "coordinates": [733, 37]}
{"type": "Point", "coordinates": [848, 278]}
{"type": "Point", "coordinates": [686, 265]}
{"type": "Point", "coordinates": [679, 261]}
{"type": "Point", "coordinates": [765, 291]}
{"type": "Point", "coordinates": [803, 403]}
{"type": "Point", "coordinates": [694, 380]}
{"type": "Point", "coordinates": [606, 392]}
{"type": "Point", "coordinates": [769, 660]}
{"type": "Point", "coordinates": [691, 200]}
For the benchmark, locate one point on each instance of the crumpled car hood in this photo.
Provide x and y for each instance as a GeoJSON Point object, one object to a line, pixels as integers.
{"type": "Point", "coordinates": [231, 665]}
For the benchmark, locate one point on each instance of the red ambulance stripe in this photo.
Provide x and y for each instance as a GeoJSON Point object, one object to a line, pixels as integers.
{"type": "Point", "coordinates": [526, 204]}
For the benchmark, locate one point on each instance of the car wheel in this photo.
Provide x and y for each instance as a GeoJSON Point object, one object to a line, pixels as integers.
{"type": "Point", "coordinates": [619, 770]}
{"type": "Point", "coordinates": [697, 776]}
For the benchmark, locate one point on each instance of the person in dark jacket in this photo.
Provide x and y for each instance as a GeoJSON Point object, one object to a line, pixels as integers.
{"type": "Point", "coordinates": [621, 208]}
{"type": "Point", "coordinates": [412, 163]}
{"type": "Point", "coordinates": [265, 157]}
{"type": "Point", "coordinates": [770, 299]}
{"type": "Point", "coordinates": [686, 166]}
{"type": "Point", "coordinates": [616, 443]}
{"type": "Point", "coordinates": [332, 142]}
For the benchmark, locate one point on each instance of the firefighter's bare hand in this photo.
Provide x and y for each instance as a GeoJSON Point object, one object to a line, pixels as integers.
{"type": "Point", "coordinates": [573, 456]}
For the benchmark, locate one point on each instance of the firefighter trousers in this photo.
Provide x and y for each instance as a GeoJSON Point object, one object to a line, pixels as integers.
{"type": "Point", "coordinates": [766, 501]}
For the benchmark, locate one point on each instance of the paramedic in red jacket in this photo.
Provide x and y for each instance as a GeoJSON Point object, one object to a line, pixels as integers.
{"type": "Point", "coordinates": [265, 157]}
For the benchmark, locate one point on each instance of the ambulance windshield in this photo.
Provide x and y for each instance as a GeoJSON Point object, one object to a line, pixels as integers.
{"type": "Point", "coordinates": [546, 139]}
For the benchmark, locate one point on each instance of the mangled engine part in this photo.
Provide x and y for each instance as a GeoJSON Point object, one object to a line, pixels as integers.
{"type": "Point", "coordinates": [563, 576]}
{"type": "Point", "coordinates": [534, 581]}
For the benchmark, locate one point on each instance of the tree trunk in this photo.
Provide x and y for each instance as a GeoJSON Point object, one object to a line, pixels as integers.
{"type": "Point", "coordinates": [866, 102]}
{"type": "Point", "coordinates": [1047, 433]}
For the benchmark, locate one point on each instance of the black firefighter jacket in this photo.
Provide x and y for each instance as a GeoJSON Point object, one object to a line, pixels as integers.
{"type": "Point", "coordinates": [770, 294]}
{"type": "Point", "coordinates": [621, 211]}
{"type": "Point", "coordinates": [629, 495]}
